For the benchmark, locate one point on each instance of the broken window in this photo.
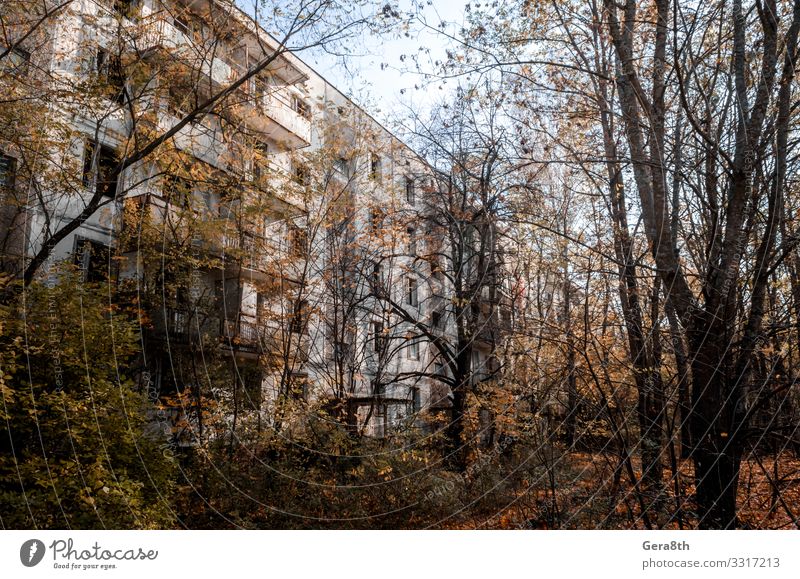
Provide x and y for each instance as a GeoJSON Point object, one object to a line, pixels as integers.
{"type": "Point", "coordinates": [93, 259]}
{"type": "Point", "coordinates": [100, 168]}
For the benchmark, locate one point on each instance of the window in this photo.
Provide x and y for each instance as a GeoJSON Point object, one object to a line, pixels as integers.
{"type": "Point", "coordinates": [376, 218]}
{"type": "Point", "coordinates": [301, 107]}
{"type": "Point", "coordinates": [109, 72]}
{"type": "Point", "coordinates": [412, 349]}
{"type": "Point", "coordinates": [123, 7]}
{"type": "Point", "coordinates": [436, 320]}
{"type": "Point", "coordinates": [437, 270]}
{"type": "Point", "coordinates": [259, 162]}
{"type": "Point", "coordinates": [438, 369]}
{"type": "Point", "coordinates": [377, 388]}
{"type": "Point", "coordinates": [99, 168]}
{"type": "Point", "coordinates": [298, 240]}
{"type": "Point", "coordinates": [261, 148]}
{"type": "Point", "coordinates": [299, 387]}
{"type": "Point", "coordinates": [376, 336]}
{"type": "Point", "coordinates": [93, 258]}
{"type": "Point", "coordinates": [260, 92]}
{"type": "Point", "coordinates": [374, 167]}
{"type": "Point", "coordinates": [179, 101]}
{"type": "Point", "coordinates": [200, 30]}
{"type": "Point", "coordinates": [7, 172]}
{"type": "Point", "coordinates": [377, 274]}
{"type": "Point", "coordinates": [416, 401]}
{"type": "Point", "coordinates": [477, 368]}
{"type": "Point", "coordinates": [300, 317]}
{"type": "Point", "coordinates": [381, 420]}
{"type": "Point", "coordinates": [177, 190]}
{"type": "Point", "coordinates": [341, 167]}
{"type": "Point", "coordinates": [16, 61]}
{"type": "Point", "coordinates": [301, 174]}
{"type": "Point", "coordinates": [181, 23]}
{"type": "Point", "coordinates": [412, 299]}
{"type": "Point", "coordinates": [262, 308]}
{"type": "Point", "coordinates": [410, 197]}
{"type": "Point", "coordinates": [412, 241]}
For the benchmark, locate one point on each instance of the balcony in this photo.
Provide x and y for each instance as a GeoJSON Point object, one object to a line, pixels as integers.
{"type": "Point", "coordinates": [271, 112]}
{"type": "Point", "coordinates": [158, 31]}
{"type": "Point", "coordinates": [241, 335]}
{"type": "Point", "coordinates": [182, 326]}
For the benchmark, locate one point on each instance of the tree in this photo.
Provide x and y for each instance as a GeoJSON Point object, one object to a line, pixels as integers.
{"type": "Point", "coordinates": [78, 451]}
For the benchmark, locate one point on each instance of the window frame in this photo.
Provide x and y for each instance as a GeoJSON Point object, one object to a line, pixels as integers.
{"type": "Point", "coordinates": [411, 197]}
{"type": "Point", "coordinates": [412, 292]}
{"type": "Point", "coordinates": [93, 168]}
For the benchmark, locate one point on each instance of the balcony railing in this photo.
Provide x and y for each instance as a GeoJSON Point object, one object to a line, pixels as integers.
{"type": "Point", "coordinates": [241, 334]}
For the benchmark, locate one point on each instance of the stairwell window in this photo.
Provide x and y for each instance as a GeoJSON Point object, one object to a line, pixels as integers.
{"type": "Point", "coordinates": [412, 349]}
{"type": "Point", "coordinates": [412, 293]}
{"type": "Point", "coordinates": [410, 193]}
{"type": "Point", "coordinates": [416, 401]}
{"type": "Point", "coordinates": [298, 241]}
{"type": "Point", "coordinates": [300, 317]}
{"type": "Point", "coordinates": [412, 241]}
{"type": "Point", "coordinates": [376, 336]}
{"type": "Point", "coordinates": [374, 167]}
{"type": "Point", "coordinates": [341, 167]}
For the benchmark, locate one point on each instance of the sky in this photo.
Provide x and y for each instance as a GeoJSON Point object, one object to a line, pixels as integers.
{"type": "Point", "coordinates": [377, 73]}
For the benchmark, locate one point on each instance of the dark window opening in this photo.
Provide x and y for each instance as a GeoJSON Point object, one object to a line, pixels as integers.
{"type": "Point", "coordinates": [109, 72]}
{"type": "Point", "coordinates": [100, 168]}
{"type": "Point", "coordinates": [299, 322]}
{"type": "Point", "coordinates": [178, 190]}
{"type": "Point", "coordinates": [340, 165]}
{"type": "Point", "coordinates": [410, 194]}
{"type": "Point", "coordinates": [298, 241]}
{"type": "Point", "coordinates": [301, 174]}
{"type": "Point", "coordinates": [412, 298]}
{"type": "Point", "coordinates": [260, 160]}
{"type": "Point", "coordinates": [181, 23]}
{"type": "Point", "coordinates": [374, 167]}
{"type": "Point", "coordinates": [124, 7]}
{"type": "Point", "coordinates": [377, 275]}
{"type": "Point", "coordinates": [436, 320]}
{"type": "Point", "coordinates": [377, 336]}
{"type": "Point", "coordinates": [8, 169]}
{"type": "Point", "coordinates": [16, 62]}
{"type": "Point", "coordinates": [301, 107]}
{"type": "Point", "coordinates": [416, 400]}
{"type": "Point", "coordinates": [412, 241]}
{"type": "Point", "coordinates": [94, 260]}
